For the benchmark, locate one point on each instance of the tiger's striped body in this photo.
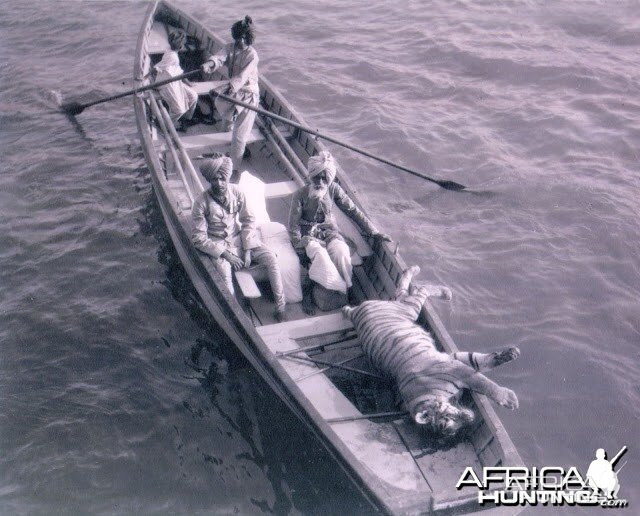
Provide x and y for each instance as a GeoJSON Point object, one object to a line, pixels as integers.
{"type": "Point", "coordinates": [429, 381]}
{"type": "Point", "coordinates": [395, 344]}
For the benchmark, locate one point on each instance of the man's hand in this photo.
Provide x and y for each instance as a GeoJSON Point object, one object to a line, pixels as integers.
{"type": "Point", "coordinates": [381, 237]}
{"type": "Point", "coordinates": [306, 240]}
{"type": "Point", "coordinates": [236, 262]}
{"type": "Point", "coordinates": [247, 258]}
{"type": "Point", "coordinates": [208, 67]}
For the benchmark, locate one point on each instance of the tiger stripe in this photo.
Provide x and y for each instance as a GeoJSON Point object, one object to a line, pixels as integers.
{"type": "Point", "coordinates": [401, 348]}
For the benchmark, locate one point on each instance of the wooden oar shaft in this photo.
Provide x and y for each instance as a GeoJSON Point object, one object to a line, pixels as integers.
{"type": "Point", "coordinates": [141, 89]}
{"type": "Point", "coordinates": [318, 134]}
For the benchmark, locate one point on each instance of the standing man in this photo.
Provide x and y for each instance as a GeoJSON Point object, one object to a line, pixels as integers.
{"type": "Point", "coordinates": [224, 228]}
{"type": "Point", "coordinates": [312, 225]}
{"type": "Point", "coordinates": [241, 60]}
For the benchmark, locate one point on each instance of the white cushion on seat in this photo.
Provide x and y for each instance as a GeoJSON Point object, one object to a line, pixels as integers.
{"type": "Point", "coordinates": [253, 189]}
{"type": "Point", "coordinates": [275, 237]}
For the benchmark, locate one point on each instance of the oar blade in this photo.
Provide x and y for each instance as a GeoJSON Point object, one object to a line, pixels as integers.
{"type": "Point", "coordinates": [451, 185]}
{"type": "Point", "coordinates": [72, 108]}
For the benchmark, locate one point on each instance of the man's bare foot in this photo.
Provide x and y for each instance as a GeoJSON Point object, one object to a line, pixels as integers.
{"type": "Point", "coordinates": [281, 315]}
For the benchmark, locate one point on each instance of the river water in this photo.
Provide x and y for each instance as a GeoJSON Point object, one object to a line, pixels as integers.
{"type": "Point", "coordinates": [119, 395]}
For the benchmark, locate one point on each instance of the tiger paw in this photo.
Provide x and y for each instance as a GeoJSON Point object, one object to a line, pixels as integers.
{"type": "Point", "coordinates": [446, 293]}
{"type": "Point", "coordinates": [507, 398]}
{"type": "Point", "coordinates": [504, 356]}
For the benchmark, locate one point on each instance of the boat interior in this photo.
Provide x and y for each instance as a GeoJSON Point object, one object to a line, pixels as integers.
{"type": "Point", "coordinates": [202, 139]}
{"type": "Point", "coordinates": [320, 354]}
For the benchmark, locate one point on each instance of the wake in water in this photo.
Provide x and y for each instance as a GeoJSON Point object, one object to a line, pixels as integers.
{"type": "Point", "coordinates": [124, 148]}
{"type": "Point", "coordinates": [54, 96]}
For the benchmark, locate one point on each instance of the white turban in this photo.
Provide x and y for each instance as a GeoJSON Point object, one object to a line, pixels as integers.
{"type": "Point", "coordinates": [211, 168]}
{"type": "Point", "coordinates": [323, 161]}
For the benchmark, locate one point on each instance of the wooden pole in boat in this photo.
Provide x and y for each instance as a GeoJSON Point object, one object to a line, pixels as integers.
{"type": "Point", "coordinates": [75, 108]}
{"type": "Point", "coordinates": [326, 368]}
{"type": "Point", "coordinates": [447, 185]}
{"type": "Point", "coordinates": [280, 153]}
{"type": "Point", "coordinates": [366, 416]}
{"type": "Point", "coordinates": [304, 349]}
{"type": "Point", "coordinates": [285, 145]}
{"type": "Point", "coordinates": [183, 152]}
{"type": "Point", "coordinates": [336, 365]}
{"type": "Point", "coordinates": [172, 149]}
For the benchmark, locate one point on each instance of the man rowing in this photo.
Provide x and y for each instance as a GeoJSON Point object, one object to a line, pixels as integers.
{"type": "Point", "coordinates": [180, 97]}
{"type": "Point", "coordinates": [241, 60]}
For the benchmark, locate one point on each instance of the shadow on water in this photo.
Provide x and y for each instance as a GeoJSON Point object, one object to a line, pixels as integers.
{"type": "Point", "coordinates": [53, 101]}
{"type": "Point", "coordinates": [484, 194]}
{"type": "Point", "coordinates": [77, 126]}
{"type": "Point", "coordinates": [301, 472]}
{"type": "Point", "coordinates": [179, 285]}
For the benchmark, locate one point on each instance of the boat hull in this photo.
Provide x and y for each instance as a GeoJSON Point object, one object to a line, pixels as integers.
{"type": "Point", "coordinates": [384, 494]}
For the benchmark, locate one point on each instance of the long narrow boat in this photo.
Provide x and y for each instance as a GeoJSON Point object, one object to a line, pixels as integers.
{"type": "Point", "coordinates": [313, 363]}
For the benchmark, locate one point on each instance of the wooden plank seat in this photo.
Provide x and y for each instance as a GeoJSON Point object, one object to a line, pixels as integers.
{"type": "Point", "coordinates": [246, 278]}
{"type": "Point", "coordinates": [281, 189]}
{"type": "Point", "coordinates": [196, 144]}
{"type": "Point", "coordinates": [247, 284]}
{"type": "Point", "coordinates": [301, 329]}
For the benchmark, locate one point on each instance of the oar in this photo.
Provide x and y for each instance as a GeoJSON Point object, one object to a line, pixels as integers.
{"type": "Point", "coordinates": [448, 185]}
{"type": "Point", "coordinates": [75, 108]}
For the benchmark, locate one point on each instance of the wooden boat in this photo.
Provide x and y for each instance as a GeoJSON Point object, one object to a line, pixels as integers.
{"type": "Point", "coordinates": [311, 363]}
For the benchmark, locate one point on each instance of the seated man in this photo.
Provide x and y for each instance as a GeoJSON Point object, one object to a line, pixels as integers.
{"type": "Point", "coordinates": [224, 228]}
{"type": "Point", "coordinates": [312, 225]}
{"type": "Point", "coordinates": [181, 98]}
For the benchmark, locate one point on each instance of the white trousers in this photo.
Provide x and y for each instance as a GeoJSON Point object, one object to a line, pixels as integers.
{"type": "Point", "coordinates": [331, 263]}
{"type": "Point", "coordinates": [243, 119]}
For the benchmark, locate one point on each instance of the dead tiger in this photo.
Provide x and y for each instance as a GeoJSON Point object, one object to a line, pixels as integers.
{"type": "Point", "coordinates": [430, 382]}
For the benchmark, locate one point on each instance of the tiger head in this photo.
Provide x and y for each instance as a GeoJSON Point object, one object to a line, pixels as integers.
{"type": "Point", "coordinates": [441, 417]}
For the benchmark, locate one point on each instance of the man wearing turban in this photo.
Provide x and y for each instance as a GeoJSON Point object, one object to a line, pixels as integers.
{"type": "Point", "coordinates": [224, 228]}
{"type": "Point", "coordinates": [241, 60]}
{"type": "Point", "coordinates": [312, 224]}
